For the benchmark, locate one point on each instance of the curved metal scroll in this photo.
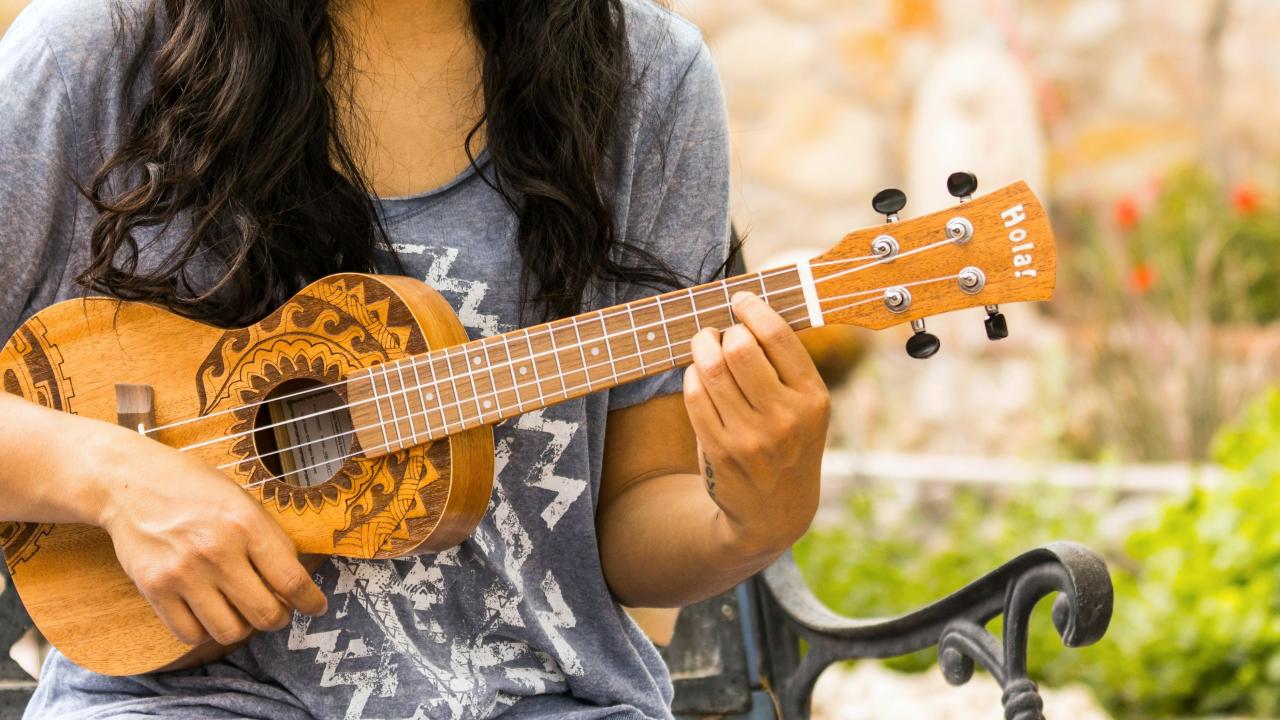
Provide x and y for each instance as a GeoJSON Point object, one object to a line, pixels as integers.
{"type": "Point", "coordinates": [956, 624]}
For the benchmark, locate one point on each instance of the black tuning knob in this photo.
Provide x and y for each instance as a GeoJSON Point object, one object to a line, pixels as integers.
{"type": "Point", "coordinates": [997, 326]}
{"type": "Point", "coordinates": [922, 344]}
{"type": "Point", "coordinates": [962, 185]}
{"type": "Point", "coordinates": [889, 203]}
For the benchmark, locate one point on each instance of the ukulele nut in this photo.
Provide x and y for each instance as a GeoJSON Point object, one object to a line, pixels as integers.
{"type": "Point", "coordinates": [885, 248]}
{"type": "Point", "coordinates": [897, 299]}
{"type": "Point", "coordinates": [960, 230]}
{"type": "Point", "coordinates": [971, 280]}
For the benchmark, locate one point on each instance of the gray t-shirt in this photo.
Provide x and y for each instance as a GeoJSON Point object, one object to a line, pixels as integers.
{"type": "Point", "coordinates": [517, 619]}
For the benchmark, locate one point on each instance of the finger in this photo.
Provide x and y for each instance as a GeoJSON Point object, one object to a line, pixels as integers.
{"type": "Point", "coordinates": [703, 417]}
{"type": "Point", "coordinates": [755, 376]}
{"type": "Point", "coordinates": [278, 565]}
{"type": "Point", "coordinates": [217, 616]}
{"type": "Point", "coordinates": [176, 616]}
{"type": "Point", "coordinates": [251, 598]}
{"type": "Point", "coordinates": [785, 351]}
{"type": "Point", "coordinates": [713, 372]}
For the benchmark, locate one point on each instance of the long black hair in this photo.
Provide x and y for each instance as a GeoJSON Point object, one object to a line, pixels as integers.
{"type": "Point", "coordinates": [238, 137]}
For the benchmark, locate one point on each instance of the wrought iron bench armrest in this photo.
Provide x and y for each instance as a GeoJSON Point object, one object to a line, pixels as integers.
{"type": "Point", "coordinates": [789, 613]}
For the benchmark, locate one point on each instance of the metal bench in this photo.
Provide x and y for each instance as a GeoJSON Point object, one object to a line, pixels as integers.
{"type": "Point", "coordinates": [740, 654]}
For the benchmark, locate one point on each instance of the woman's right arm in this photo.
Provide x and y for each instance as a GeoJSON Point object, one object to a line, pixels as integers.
{"type": "Point", "coordinates": [208, 558]}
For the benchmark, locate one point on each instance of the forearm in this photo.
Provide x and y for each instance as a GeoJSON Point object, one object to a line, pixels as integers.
{"type": "Point", "coordinates": [49, 470]}
{"type": "Point", "coordinates": [665, 543]}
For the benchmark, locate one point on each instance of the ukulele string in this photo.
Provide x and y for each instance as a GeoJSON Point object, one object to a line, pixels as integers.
{"type": "Point", "coordinates": [453, 378]}
{"type": "Point", "coordinates": [575, 323]}
{"type": "Point", "coordinates": [462, 420]}
{"type": "Point", "coordinates": [762, 275]}
{"type": "Point", "coordinates": [566, 391]}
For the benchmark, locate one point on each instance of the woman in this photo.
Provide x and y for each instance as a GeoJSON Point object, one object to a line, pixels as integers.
{"type": "Point", "coordinates": [212, 156]}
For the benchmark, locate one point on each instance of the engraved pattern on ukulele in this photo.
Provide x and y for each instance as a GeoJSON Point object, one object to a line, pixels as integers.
{"type": "Point", "coordinates": [34, 371]}
{"type": "Point", "coordinates": [324, 334]}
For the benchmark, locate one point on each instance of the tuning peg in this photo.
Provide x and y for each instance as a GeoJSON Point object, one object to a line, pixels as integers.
{"type": "Point", "coordinates": [962, 185]}
{"type": "Point", "coordinates": [922, 344]}
{"type": "Point", "coordinates": [997, 326]}
{"type": "Point", "coordinates": [889, 203]}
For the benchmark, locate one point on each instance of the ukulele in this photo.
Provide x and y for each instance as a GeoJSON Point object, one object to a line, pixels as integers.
{"type": "Point", "coordinates": [359, 414]}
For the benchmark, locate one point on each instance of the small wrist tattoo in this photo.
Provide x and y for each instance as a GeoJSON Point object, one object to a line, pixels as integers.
{"type": "Point", "coordinates": [709, 474]}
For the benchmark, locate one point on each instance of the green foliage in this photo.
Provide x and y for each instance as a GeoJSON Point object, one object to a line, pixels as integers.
{"type": "Point", "coordinates": [1196, 629]}
{"type": "Point", "coordinates": [872, 567]}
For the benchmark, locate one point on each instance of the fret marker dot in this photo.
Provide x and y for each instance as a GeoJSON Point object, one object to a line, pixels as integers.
{"type": "Point", "coordinates": [475, 361]}
{"type": "Point", "coordinates": [650, 337]}
{"type": "Point", "coordinates": [524, 371]}
{"type": "Point", "coordinates": [487, 404]}
{"type": "Point", "coordinates": [431, 396]}
{"type": "Point", "coordinates": [595, 351]}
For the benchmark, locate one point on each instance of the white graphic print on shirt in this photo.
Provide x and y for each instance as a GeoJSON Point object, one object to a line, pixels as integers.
{"type": "Point", "coordinates": [455, 664]}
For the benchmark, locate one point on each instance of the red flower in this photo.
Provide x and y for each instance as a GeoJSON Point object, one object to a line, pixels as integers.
{"type": "Point", "coordinates": [1125, 212]}
{"type": "Point", "coordinates": [1245, 198]}
{"type": "Point", "coordinates": [1141, 279]}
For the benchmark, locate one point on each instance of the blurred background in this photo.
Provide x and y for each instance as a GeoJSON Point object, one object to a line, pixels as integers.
{"type": "Point", "coordinates": [1135, 413]}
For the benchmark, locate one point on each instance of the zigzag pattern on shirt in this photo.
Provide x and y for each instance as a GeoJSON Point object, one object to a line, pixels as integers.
{"type": "Point", "coordinates": [472, 292]}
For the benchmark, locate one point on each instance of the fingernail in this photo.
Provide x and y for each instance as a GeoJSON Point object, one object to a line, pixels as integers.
{"type": "Point", "coordinates": [743, 297]}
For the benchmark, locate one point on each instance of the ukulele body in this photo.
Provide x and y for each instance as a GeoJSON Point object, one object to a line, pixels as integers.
{"type": "Point", "coordinates": [72, 357]}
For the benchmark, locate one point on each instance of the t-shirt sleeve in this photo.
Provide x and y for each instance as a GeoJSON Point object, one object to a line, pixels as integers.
{"type": "Point", "coordinates": [38, 197]}
{"type": "Point", "coordinates": [680, 197]}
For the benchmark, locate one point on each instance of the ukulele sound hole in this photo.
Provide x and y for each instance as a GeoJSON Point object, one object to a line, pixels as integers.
{"type": "Point", "coordinates": [303, 433]}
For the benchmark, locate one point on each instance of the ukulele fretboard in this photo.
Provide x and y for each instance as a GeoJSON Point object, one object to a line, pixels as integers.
{"type": "Point", "coordinates": [401, 404]}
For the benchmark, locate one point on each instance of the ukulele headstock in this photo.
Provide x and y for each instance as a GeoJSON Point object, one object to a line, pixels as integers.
{"type": "Point", "coordinates": [994, 249]}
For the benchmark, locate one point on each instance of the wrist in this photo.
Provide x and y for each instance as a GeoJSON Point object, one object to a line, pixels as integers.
{"type": "Point", "coordinates": [97, 459]}
{"type": "Point", "coordinates": [751, 546]}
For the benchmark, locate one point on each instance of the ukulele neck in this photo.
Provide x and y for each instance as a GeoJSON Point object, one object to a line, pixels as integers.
{"type": "Point", "coordinates": [401, 404]}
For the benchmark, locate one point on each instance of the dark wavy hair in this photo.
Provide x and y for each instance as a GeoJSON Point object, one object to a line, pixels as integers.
{"type": "Point", "coordinates": [235, 145]}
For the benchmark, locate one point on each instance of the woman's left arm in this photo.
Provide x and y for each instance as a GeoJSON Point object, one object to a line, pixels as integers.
{"type": "Point", "coordinates": [699, 495]}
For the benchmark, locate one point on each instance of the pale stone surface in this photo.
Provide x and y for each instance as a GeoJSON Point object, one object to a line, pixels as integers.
{"type": "Point", "coordinates": [867, 691]}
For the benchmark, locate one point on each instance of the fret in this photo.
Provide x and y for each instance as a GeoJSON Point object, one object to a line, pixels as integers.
{"type": "Point", "coordinates": [476, 365]}
{"type": "Point", "coordinates": [564, 336]}
{"type": "Point", "coordinates": [533, 363]}
{"type": "Point", "coordinates": [457, 375]}
{"type": "Point", "coordinates": [391, 406]}
{"type": "Point", "coordinates": [787, 298]}
{"type": "Point", "coordinates": [447, 396]}
{"type": "Point", "coordinates": [608, 347]}
{"type": "Point", "coordinates": [693, 309]}
{"type": "Point", "coordinates": [623, 344]}
{"type": "Point", "coordinates": [497, 395]}
{"type": "Point", "coordinates": [582, 350]}
{"type": "Point", "coordinates": [423, 398]}
{"type": "Point", "coordinates": [728, 303]}
{"type": "Point", "coordinates": [555, 355]}
{"type": "Point", "coordinates": [475, 391]}
{"type": "Point", "coordinates": [635, 336]}
{"type": "Point", "coordinates": [404, 391]}
{"type": "Point", "coordinates": [511, 370]}
{"type": "Point", "coordinates": [721, 314]}
{"type": "Point", "coordinates": [666, 333]}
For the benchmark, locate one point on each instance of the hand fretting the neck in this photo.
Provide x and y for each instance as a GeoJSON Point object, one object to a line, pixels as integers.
{"type": "Point", "coordinates": [428, 397]}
